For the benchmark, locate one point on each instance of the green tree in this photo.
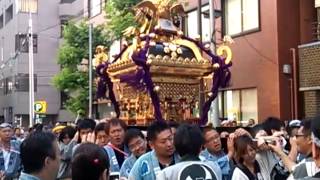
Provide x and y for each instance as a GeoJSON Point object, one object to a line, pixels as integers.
{"type": "Point", "coordinates": [119, 16]}
{"type": "Point", "coordinates": [75, 48]}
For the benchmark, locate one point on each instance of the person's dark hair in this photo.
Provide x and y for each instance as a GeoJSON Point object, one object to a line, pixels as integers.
{"type": "Point", "coordinates": [131, 134]}
{"type": "Point", "coordinates": [100, 127]}
{"type": "Point", "coordinates": [208, 128]}
{"type": "Point", "coordinates": [173, 124]}
{"type": "Point", "coordinates": [240, 147]}
{"type": "Point", "coordinates": [86, 124]}
{"type": "Point", "coordinates": [290, 130]}
{"type": "Point", "coordinates": [156, 128]}
{"type": "Point", "coordinates": [315, 128]}
{"type": "Point", "coordinates": [306, 127]}
{"type": "Point", "coordinates": [35, 149]}
{"type": "Point", "coordinates": [188, 140]}
{"type": "Point", "coordinates": [89, 162]}
{"type": "Point", "coordinates": [272, 123]}
{"type": "Point", "coordinates": [255, 129]}
{"type": "Point", "coordinates": [38, 127]}
{"type": "Point", "coordinates": [67, 131]}
{"type": "Point", "coordinates": [115, 122]}
{"type": "Point", "coordinates": [30, 129]}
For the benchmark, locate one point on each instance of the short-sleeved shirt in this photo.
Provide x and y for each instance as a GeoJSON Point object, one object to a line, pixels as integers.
{"type": "Point", "coordinates": [147, 167]}
{"type": "Point", "coordinates": [306, 168]}
{"type": "Point", "coordinates": [127, 166]}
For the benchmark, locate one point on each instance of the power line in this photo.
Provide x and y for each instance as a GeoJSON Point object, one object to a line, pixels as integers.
{"type": "Point", "coordinates": [258, 52]}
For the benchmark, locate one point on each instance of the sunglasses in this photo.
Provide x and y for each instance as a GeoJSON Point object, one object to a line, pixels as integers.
{"type": "Point", "coordinates": [300, 135]}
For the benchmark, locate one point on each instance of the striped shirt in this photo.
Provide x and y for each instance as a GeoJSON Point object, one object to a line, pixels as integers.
{"type": "Point", "coordinates": [306, 168]}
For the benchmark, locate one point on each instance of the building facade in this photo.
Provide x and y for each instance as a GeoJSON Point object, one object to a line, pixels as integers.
{"type": "Point", "coordinates": [266, 37]}
{"type": "Point", "coordinates": [273, 72]}
{"type": "Point", "coordinates": [14, 74]}
{"type": "Point", "coordinates": [309, 64]}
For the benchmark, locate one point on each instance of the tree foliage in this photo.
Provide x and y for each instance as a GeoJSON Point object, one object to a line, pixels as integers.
{"type": "Point", "coordinates": [74, 48]}
{"type": "Point", "coordinates": [119, 16]}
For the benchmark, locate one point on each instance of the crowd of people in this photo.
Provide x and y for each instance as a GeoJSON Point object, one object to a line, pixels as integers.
{"type": "Point", "coordinates": [109, 150]}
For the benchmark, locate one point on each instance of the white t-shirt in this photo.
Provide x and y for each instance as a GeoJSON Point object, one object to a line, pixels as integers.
{"type": "Point", "coordinates": [6, 157]}
{"type": "Point", "coordinates": [191, 170]}
{"type": "Point", "coordinates": [238, 174]}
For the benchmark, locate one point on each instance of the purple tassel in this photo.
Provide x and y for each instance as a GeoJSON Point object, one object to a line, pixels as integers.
{"type": "Point", "coordinates": [113, 97]}
{"type": "Point", "coordinates": [105, 81]}
{"type": "Point", "coordinates": [221, 79]}
{"type": "Point", "coordinates": [140, 60]}
{"type": "Point", "coordinates": [134, 80]}
{"type": "Point", "coordinates": [101, 89]}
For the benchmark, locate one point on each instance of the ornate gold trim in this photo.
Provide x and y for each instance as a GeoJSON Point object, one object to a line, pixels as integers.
{"type": "Point", "coordinates": [191, 45]}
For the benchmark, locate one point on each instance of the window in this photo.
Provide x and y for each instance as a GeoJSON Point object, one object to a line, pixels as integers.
{"type": "Point", "coordinates": [22, 82]}
{"type": "Point", "coordinates": [28, 5]}
{"type": "Point", "coordinates": [8, 114]}
{"type": "Point", "coordinates": [1, 21]}
{"type": "Point", "coordinates": [192, 21]}
{"type": "Point", "coordinates": [22, 44]}
{"type": "Point", "coordinates": [241, 16]}
{"type": "Point", "coordinates": [240, 105]}
{"type": "Point", "coordinates": [95, 7]}
{"type": "Point", "coordinates": [9, 13]}
{"type": "Point", "coordinates": [1, 86]}
{"type": "Point", "coordinates": [8, 85]}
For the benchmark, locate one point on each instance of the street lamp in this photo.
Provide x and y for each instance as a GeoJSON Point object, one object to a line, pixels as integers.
{"type": "Point", "coordinates": [31, 72]}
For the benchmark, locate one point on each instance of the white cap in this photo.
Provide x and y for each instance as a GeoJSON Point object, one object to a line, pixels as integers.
{"type": "Point", "coordinates": [295, 123]}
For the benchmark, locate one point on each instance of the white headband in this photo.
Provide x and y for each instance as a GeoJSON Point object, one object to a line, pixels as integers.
{"type": "Point", "coordinates": [315, 140]}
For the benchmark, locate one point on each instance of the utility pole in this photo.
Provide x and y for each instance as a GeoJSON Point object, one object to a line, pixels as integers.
{"type": "Point", "coordinates": [201, 82]}
{"type": "Point", "coordinates": [31, 72]}
{"type": "Point", "coordinates": [2, 46]}
{"type": "Point", "coordinates": [90, 70]}
{"type": "Point", "coordinates": [199, 14]}
{"type": "Point", "coordinates": [214, 109]}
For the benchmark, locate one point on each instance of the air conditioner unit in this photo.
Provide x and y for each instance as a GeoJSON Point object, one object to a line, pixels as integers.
{"type": "Point", "coordinates": [287, 69]}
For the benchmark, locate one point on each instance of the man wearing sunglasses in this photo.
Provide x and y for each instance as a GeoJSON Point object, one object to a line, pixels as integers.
{"type": "Point", "coordinates": [304, 146]}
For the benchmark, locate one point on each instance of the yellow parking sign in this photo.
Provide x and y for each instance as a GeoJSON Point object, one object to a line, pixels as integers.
{"type": "Point", "coordinates": [40, 107]}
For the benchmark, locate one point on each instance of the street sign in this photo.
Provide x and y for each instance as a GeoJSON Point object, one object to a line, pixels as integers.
{"type": "Point", "coordinates": [40, 107]}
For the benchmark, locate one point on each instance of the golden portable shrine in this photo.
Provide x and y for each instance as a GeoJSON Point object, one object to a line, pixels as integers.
{"type": "Point", "coordinates": [159, 75]}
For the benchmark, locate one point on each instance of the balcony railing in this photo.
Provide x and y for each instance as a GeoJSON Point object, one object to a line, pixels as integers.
{"type": "Point", "coordinates": [66, 1]}
{"type": "Point", "coordinates": [71, 8]}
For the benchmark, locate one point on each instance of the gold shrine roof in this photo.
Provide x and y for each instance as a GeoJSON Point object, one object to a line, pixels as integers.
{"type": "Point", "coordinates": [175, 58]}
